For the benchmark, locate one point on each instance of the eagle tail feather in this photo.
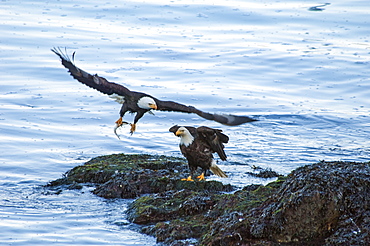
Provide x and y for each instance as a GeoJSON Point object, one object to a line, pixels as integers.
{"type": "Point", "coordinates": [217, 171]}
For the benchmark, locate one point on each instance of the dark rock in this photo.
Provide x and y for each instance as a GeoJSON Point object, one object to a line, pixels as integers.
{"type": "Point", "coordinates": [264, 173]}
{"type": "Point", "coordinates": [184, 214]}
{"type": "Point", "coordinates": [230, 218]}
{"type": "Point", "coordinates": [135, 183]}
{"type": "Point", "coordinates": [169, 205]}
{"type": "Point", "coordinates": [321, 204]}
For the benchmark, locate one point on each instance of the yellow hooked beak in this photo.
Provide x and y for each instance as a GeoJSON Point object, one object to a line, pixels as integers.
{"type": "Point", "coordinates": [153, 106]}
{"type": "Point", "coordinates": [178, 133]}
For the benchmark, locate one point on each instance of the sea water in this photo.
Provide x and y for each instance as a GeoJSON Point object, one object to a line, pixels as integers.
{"type": "Point", "coordinates": [301, 68]}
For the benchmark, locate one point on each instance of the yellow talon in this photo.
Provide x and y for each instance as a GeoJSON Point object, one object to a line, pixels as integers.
{"type": "Point", "coordinates": [188, 179]}
{"type": "Point", "coordinates": [119, 122]}
{"type": "Point", "coordinates": [133, 128]}
{"type": "Point", "coordinates": [201, 177]}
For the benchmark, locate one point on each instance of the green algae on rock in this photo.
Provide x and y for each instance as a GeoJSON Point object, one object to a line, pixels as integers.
{"type": "Point", "coordinates": [129, 176]}
{"type": "Point", "coordinates": [101, 169]}
{"type": "Point", "coordinates": [326, 203]}
{"type": "Point", "coordinates": [186, 214]}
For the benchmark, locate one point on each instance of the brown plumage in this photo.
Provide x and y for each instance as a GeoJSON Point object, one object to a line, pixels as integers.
{"type": "Point", "coordinates": [198, 146]}
{"type": "Point", "coordinates": [138, 102]}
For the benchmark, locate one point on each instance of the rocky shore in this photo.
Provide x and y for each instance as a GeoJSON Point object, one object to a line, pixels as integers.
{"type": "Point", "coordinates": [326, 203]}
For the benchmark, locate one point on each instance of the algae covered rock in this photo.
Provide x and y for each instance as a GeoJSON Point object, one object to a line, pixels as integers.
{"type": "Point", "coordinates": [129, 176]}
{"type": "Point", "coordinates": [103, 168]}
{"type": "Point", "coordinates": [169, 205]}
{"type": "Point", "coordinates": [175, 216]}
{"type": "Point", "coordinates": [321, 204]}
{"type": "Point", "coordinates": [326, 203]}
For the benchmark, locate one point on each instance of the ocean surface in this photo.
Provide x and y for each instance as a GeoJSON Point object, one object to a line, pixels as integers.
{"type": "Point", "coordinates": [300, 67]}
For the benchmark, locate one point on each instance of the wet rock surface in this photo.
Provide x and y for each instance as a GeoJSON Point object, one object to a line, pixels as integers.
{"type": "Point", "coordinates": [326, 203]}
{"type": "Point", "coordinates": [129, 176]}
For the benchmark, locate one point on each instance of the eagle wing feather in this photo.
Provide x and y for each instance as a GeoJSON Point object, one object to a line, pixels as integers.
{"type": "Point", "coordinates": [230, 120]}
{"type": "Point", "coordinates": [215, 139]}
{"type": "Point", "coordinates": [94, 81]}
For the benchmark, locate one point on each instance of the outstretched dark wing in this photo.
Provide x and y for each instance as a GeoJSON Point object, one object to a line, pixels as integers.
{"type": "Point", "coordinates": [110, 88]}
{"type": "Point", "coordinates": [215, 139]}
{"type": "Point", "coordinates": [230, 120]}
{"type": "Point", "coordinates": [93, 81]}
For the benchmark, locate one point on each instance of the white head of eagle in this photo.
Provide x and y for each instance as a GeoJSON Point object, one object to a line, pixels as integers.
{"type": "Point", "coordinates": [185, 135]}
{"type": "Point", "coordinates": [147, 103]}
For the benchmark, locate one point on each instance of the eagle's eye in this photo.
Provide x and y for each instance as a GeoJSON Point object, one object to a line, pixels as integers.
{"type": "Point", "coordinates": [152, 105]}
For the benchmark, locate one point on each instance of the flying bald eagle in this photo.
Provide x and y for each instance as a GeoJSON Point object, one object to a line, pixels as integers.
{"type": "Point", "coordinates": [198, 146]}
{"type": "Point", "coordinates": [138, 102]}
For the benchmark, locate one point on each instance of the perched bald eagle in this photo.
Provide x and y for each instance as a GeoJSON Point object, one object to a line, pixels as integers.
{"type": "Point", "coordinates": [198, 146]}
{"type": "Point", "coordinates": [138, 102]}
